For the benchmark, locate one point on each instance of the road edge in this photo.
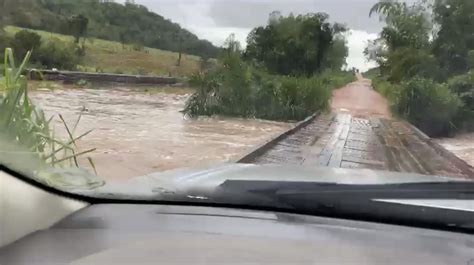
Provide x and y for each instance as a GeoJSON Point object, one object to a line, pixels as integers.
{"type": "Point", "coordinates": [465, 167]}
{"type": "Point", "coordinates": [251, 154]}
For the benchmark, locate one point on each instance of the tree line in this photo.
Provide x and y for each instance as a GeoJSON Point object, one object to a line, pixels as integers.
{"type": "Point", "coordinates": [128, 23]}
{"type": "Point", "coordinates": [425, 54]}
{"type": "Point", "coordinates": [286, 72]}
{"type": "Point", "coordinates": [293, 45]}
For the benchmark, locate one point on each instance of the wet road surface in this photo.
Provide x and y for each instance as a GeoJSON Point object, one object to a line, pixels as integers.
{"type": "Point", "coordinates": [139, 131]}
{"type": "Point", "coordinates": [360, 133]}
{"type": "Point", "coordinates": [360, 100]}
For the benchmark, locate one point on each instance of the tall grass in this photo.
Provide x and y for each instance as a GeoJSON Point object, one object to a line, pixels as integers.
{"type": "Point", "coordinates": [26, 125]}
{"type": "Point", "coordinates": [236, 89]}
{"type": "Point", "coordinates": [430, 106]}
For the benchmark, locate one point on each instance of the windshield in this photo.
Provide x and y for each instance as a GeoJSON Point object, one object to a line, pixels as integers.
{"type": "Point", "coordinates": [167, 100]}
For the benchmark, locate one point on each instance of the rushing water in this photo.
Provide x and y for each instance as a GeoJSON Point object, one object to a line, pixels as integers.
{"type": "Point", "coordinates": [462, 146]}
{"type": "Point", "coordinates": [138, 131]}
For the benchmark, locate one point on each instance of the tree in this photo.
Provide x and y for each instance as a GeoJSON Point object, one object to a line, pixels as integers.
{"type": "Point", "coordinates": [455, 38]}
{"type": "Point", "coordinates": [337, 54]}
{"type": "Point", "coordinates": [123, 39]}
{"type": "Point", "coordinates": [295, 45]}
{"type": "Point", "coordinates": [179, 40]}
{"type": "Point", "coordinates": [404, 43]}
{"type": "Point", "coordinates": [232, 44]}
{"type": "Point", "coordinates": [78, 26]}
{"type": "Point", "coordinates": [109, 20]}
{"type": "Point", "coordinates": [6, 7]}
{"type": "Point", "coordinates": [25, 41]}
{"type": "Point", "coordinates": [406, 25]}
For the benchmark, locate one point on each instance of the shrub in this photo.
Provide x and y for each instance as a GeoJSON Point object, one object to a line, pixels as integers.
{"type": "Point", "coordinates": [463, 86]}
{"type": "Point", "coordinates": [470, 58]}
{"type": "Point", "coordinates": [25, 41]}
{"type": "Point", "coordinates": [336, 79]}
{"type": "Point", "coordinates": [406, 63]}
{"type": "Point", "coordinates": [372, 73]}
{"type": "Point", "coordinates": [57, 54]}
{"type": "Point", "coordinates": [138, 47]}
{"type": "Point", "coordinates": [430, 106]}
{"type": "Point", "coordinates": [388, 90]}
{"type": "Point", "coordinates": [141, 71]}
{"type": "Point", "coordinates": [234, 88]}
{"type": "Point", "coordinates": [25, 130]}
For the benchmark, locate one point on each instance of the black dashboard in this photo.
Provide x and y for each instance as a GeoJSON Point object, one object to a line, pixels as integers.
{"type": "Point", "coordinates": [38, 226]}
{"type": "Point", "coordinates": [156, 234]}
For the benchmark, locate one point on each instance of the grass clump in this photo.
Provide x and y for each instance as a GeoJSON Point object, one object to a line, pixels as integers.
{"type": "Point", "coordinates": [24, 126]}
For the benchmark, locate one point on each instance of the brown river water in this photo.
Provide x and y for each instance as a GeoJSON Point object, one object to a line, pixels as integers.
{"type": "Point", "coordinates": [462, 146]}
{"type": "Point", "coordinates": [138, 131]}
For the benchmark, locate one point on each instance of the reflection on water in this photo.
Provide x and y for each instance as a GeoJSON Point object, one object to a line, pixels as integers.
{"type": "Point", "coordinates": [138, 131]}
{"type": "Point", "coordinates": [461, 145]}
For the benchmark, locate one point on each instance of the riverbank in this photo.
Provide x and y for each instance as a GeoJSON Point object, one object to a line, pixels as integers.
{"type": "Point", "coordinates": [74, 77]}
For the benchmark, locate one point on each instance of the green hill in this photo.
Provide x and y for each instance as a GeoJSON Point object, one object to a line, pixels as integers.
{"type": "Point", "coordinates": [113, 57]}
{"type": "Point", "coordinates": [125, 23]}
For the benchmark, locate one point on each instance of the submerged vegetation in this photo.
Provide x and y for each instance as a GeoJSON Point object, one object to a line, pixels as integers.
{"type": "Point", "coordinates": [24, 124]}
{"type": "Point", "coordinates": [284, 74]}
{"type": "Point", "coordinates": [237, 89]}
{"type": "Point", "coordinates": [426, 61]}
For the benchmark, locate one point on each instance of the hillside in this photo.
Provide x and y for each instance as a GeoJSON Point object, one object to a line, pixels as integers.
{"type": "Point", "coordinates": [112, 57]}
{"type": "Point", "coordinates": [125, 23]}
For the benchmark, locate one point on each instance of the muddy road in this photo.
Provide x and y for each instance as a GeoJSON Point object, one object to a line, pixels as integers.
{"type": "Point", "coordinates": [360, 100]}
{"type": "Point", "coordinates": [361, 133]}
{"type": "Point", "coordinates": [138, 131]}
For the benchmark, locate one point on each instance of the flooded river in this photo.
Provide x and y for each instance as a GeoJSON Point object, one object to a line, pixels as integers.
{"type": "Point", "coordinates": [462, 146]}
{"type": "Point", "coordinates": [138, 131]}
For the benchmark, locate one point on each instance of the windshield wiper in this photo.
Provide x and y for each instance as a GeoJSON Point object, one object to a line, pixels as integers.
{"type": "Point", "coordinates": [427, 190]}
{"type": "Point", "coordinates": [362, 202]}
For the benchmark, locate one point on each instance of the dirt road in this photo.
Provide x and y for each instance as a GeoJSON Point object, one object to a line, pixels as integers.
{"type": "Point", "coordinates": [361, 133]}
{"type": "Point", "coordinates": [360, 100]}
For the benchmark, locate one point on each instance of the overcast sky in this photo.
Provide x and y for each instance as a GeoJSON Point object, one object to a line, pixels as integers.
{"type": "Point", "coordinates": [214, 20]}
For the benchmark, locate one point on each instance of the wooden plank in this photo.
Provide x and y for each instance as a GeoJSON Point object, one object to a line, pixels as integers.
{"type": "Point", "coordinates": [336, 158]}
{"type": "Point", "coordinates": [261, 149]}
{"type": "Point", "coordinates": [341, 132]}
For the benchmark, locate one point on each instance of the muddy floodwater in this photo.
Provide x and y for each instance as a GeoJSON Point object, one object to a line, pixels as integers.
{"type": "Point", "coordinates": [138, 131]}
{"type": "Point", "coordinates": [462, 146]}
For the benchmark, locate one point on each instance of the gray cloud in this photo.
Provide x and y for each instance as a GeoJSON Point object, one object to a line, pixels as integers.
{"type": "Point", "coordinates": [214, 20]}
{"type": "Point", "coordinates": [248, 13]}
{"type": "Point", "coordinates": [251, 13]}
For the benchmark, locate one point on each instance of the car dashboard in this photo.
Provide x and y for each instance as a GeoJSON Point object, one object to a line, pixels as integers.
{"type": "Point", "coordinates": [170, 234]}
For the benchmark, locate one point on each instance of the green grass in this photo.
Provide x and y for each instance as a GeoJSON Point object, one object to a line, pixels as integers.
{"type": "Point", "coordinates": [112, 57]}
{"type": "Point", "coordinates": [372, 73]}
{"type": "Point", "coordinates": [27, 131]}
